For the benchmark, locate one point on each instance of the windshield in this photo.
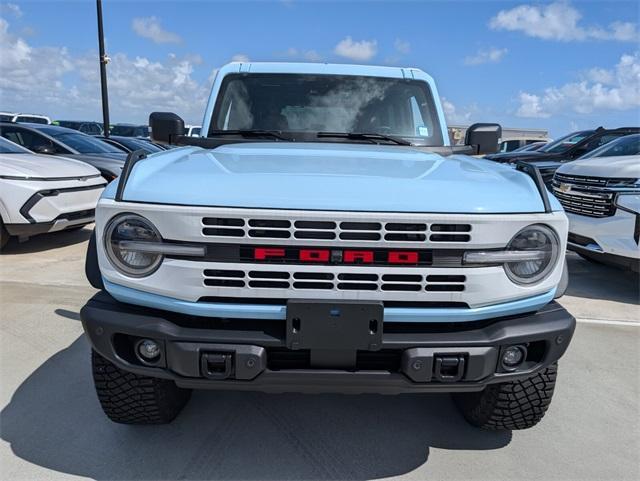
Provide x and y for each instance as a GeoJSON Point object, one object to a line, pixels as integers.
{"type": "Point", "coordinates": [308, 104]}
{"type": "Point", "coordinates": [85, 144]}
{"type": "Point", "coordinates": [130, 130]}
{"type": "Point", "coordinates": [69, 124]}
{"type": "Point", "coordinates": [135, 144]}
{"type": "Point", "coordinates": [565, 143]}
{"type": "Point", "coordinates": [8, 147]}
{"type": "Point", "coordinates": [627, 145]}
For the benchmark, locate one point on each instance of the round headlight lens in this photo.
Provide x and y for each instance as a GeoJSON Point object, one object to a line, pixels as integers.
{"type": "Point", "coordinates": [131, 227]}
{"type": "Point", "coordinates": [540, 239]}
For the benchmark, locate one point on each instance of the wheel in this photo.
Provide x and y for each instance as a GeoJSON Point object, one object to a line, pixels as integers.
{"type": "Point", "coordinates": [511, 405]}
{"type": "Point", "coordinates": [129, 398]}
{"type": "Point", "coordinates": [4, 235]}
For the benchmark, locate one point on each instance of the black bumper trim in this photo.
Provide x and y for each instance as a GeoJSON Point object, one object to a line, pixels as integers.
{"type": "Point", "coordinates": [106, 320]}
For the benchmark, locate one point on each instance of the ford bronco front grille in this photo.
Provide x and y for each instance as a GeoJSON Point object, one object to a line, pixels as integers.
{"type": "Point", "coordinates": [328, 281]}
{"type": "Point", "coordinates": [334, 230]}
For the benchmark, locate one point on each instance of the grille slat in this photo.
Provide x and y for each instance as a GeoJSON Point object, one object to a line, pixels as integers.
{"type": "Point", "coordinates": [588, 196]}
{"type": "Point", "coordinates": [412, 233]}
{"type": "Point", "coordinates": [342, 281]}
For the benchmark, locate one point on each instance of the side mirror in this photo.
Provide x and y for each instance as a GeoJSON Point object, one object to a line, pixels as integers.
{"type": "Point", "coordinates": [45, 150]}
{"type": "Point", "coordinates": [484, 138]}
{"type": "Point", "coordinates": [165, 127]}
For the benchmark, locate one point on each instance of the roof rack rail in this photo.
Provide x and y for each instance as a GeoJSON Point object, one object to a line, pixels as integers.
{"type": "Point", "coordinates": [132, 159]}
{"type": "Point", "coordinates": [533, 172]}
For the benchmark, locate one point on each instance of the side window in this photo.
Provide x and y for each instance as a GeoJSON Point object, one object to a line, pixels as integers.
{"type": "Point", "coordinates": [597, 142]}
{"type": "Point", "coordinates": [509, 145]}
{"type": "Point", "coordinates": [31, 140]}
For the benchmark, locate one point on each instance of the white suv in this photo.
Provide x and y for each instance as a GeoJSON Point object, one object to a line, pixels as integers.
{"type": "Point", "coordinates": [601, 194]}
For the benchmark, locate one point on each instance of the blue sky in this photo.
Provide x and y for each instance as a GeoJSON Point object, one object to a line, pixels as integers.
{"type": "Point", "coordinates": [561, 66]}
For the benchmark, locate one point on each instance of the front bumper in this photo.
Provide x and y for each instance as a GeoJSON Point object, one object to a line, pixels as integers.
{"type": "Point", "coordinates": [63, 222]}
{"type": "Point", "coordinates": [410, 359]}
{"type": "Point", "coordinates": [612, 240]}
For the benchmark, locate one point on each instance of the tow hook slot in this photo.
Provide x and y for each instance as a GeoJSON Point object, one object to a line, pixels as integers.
{"type": "Point", "coordinates": [448, 368]}
{"type": "Point", "coordinates": [216, 365]}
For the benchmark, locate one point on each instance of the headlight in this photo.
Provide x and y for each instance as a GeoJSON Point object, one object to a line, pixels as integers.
{"type": "Point", "coordinates": [629, 202]}
{"type": "Point", "coordinates": [129, 230]}
{"type": "Point", "coordinates": [543, 245]}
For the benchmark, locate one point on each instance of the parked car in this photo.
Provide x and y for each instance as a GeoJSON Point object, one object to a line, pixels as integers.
{"type": "Point", "coordinates": [54, 140]}
{"type": "Point", "coordinates": [513, 144]}
{"type": "Point", "coordinates": [130, 130]}
{"type": "Point", "coordinates": [601, 196]}
{"type": "Point", "coordinates": [565, 149]}
{"type": "Point", "coordinates": [192, 130]}
{"type": "Point", "coordinates": [41, 194]}
{"type": "Point", "coordinates": [89, 128]}
{"type": "Point", "coordinates": [334, 248]}
{"type": "Point", "coordinates": [129, 144]}
{"type": "Point", "coordinates": [24, 118]}
{"type": "Point", "coordinates": [624, 146]}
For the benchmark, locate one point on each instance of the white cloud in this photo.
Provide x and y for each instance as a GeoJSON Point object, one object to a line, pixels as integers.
{"type": "Point", "coordinates": [616, 89]}
{"type": "Point", "coordinates": [559, 21]}
{"type": "Point", "coordinates": [52, 81]}
{"type": "Point", "coordinates": [308, 55]}
{"type": "Point", "coordinates": [240, 57]}
{"type": "Point", "coordinates": [11, 8]}
{"type": "Point", "coordinates": [149, 27]}
{"type": "Point", "coordinates": [490, 55]}
{"type": "Point", "coordinates": [402, 46]}
{"type": "Point", "coordinates": [455, 115]}
{"type": "Point", "coordinates": [359, 51]}
{"type": "Point", "coordinates": [312, 56]}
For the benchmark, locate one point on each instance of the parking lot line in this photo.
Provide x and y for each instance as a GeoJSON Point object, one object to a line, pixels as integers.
{"type": "Point", "coordinates": [609, 322]}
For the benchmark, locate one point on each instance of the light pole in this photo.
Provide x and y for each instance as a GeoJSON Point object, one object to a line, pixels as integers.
{"type": "Point", "coordinates": [104, 60]}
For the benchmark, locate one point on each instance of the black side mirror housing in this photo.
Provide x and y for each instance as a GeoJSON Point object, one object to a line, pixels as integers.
{"type": "Point", "coordinates": [166, 127]}
{"type": "Point", "coordinates": [483, 137]}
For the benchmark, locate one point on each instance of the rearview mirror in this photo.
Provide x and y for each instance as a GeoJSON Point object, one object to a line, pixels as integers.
{"type": "Point", "coordinates": [484, 138]}
{"type": "Point", "coordinates": [45, 150]}
{"type": "Point", "coordinates": [166, 127]}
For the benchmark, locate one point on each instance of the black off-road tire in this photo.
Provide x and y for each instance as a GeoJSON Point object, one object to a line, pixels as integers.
{"type": "Point", "coordinates": [128, 398]}
{"type": "Point", "coordinates": [512, 405]}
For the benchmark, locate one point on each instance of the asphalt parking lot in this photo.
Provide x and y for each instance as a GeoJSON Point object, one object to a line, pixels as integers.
{"type": "Point", "coordinates": [53, 428]}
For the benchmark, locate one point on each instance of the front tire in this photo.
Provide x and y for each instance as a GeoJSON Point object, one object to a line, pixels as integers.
{"type": "Point", "coordinates": [129, 398]}
{"type": "Point", "coordinates": [512, 405]}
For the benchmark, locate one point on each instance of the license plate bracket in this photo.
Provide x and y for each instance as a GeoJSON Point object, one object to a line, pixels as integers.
{"type": "Point", "coordinates": [327, 325]}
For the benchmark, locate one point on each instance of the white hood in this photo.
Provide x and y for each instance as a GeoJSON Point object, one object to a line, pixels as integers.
{"type": "Point", "coordinates": [35, 166]}
{"type": "Point", "coordinates": [626, 166]}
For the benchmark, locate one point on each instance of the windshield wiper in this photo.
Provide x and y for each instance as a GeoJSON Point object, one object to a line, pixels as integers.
{"type": "Point", "coordinates": [274, 134]}
{"type": "Point", "coordinates": [372, 136]}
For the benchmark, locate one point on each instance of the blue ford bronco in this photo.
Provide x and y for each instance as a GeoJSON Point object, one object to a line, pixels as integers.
{"type": "Point", "coordinates": [322, 235]}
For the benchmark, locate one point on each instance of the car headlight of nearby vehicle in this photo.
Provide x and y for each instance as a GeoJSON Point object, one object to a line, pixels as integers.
{"type": "Point", "coordinates": [629, 202]}
{"type": "Point", "coordinates": [124, 240]}
{"type": "Point", "coordinates": [528, 259]}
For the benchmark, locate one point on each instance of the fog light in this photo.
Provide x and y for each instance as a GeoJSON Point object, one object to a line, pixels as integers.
{"type": "Point", "coordinates": [148, 350]}
{"type": "Point", "coordinates": [513, 356]}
